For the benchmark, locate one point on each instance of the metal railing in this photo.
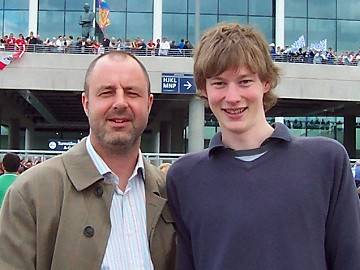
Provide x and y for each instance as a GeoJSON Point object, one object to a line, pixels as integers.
{"type": "Point", "coordinates": [75, 49]}
{"type": "Point", "coordinates": [42, 155]}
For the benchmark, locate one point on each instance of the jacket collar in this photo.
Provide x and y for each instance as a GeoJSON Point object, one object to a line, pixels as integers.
{"type": "Point", "coordinates": [80, 168]}
{"type": "Point", "coordinates": [83, 173]}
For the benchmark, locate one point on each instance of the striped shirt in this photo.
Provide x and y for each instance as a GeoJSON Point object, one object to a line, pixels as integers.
{"type": "Point", "coordinates": [127, 247]}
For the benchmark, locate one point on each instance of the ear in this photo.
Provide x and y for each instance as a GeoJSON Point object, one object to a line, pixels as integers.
{"type": "Point", "coordinates": [266, 87]}
{"type": "Point", "coordinates": [150, 102]}
{"type": "Point", "coordinates": [85, 103]}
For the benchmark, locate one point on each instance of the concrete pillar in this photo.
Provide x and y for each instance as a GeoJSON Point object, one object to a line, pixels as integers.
{"type": "Point", "coordinates": [196, 125]}
{"type": "Point", "coordinates": [29, 136]}
{"type": "Point", "coordinates": [33, 16]}
{"type": "Point", "coordinates": [350, 135]}
{"type": "Point", "coordinates": [177, 132]}
{"type": "Point", "coordinates": [165, 137]}
{"type": "Point", "coordinates": [14, 134]}
{"type": "Point", "coordinates": [157, 20]}
{"type": "Point", "coordinates": [280, 23]}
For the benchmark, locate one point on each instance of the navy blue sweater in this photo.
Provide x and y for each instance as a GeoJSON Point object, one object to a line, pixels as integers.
{"type": "Point", "coordinates": [294, 208]}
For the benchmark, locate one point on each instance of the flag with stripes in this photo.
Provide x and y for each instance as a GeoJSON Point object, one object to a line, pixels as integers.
{"type": "Point", "coordinates": [5, 60]}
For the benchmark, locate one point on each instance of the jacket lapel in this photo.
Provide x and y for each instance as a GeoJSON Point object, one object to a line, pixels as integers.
{"type": "Point", "coordinates": [154, 201]}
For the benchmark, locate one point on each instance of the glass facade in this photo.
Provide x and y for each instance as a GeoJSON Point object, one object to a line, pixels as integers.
{"type": "Point", "coordinates": [179, 16]}
{"type": "Point", "coordinates": [337, 21]}
{"type": "Point", "coordinates": [14, 17]}
{"type": "Point", "coordinates": [129, 18]}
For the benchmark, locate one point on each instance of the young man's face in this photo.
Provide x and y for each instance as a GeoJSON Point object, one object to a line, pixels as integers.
{"type": "Point", "coordinates": [236, 99]}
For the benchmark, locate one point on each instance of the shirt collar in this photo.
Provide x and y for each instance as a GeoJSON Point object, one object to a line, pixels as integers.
{"type": "Point", "coordinates": [103, 168]}
{"type": "Point", "coordinates": [281, 132]}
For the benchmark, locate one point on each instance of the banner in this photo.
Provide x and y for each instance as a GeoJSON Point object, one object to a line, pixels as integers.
{"type": "Point", "coordinates": [104, 12]}
{"type": "Point", "coordinates": [300, 43]}
{"type": "Point", "coordinates": [319, 46]}
{"type": "Point", "coordinates": [7, 59]}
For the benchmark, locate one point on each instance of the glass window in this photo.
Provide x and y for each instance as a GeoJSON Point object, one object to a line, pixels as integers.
{"type": "Point", "coordinates": [235, 19]}
{"type": "Point", "coordinates": [174, 26]}
{"type": "Point", "coordinates": [206, 21]}
{"type": "Point", "coordinates": [320, 30]}
{"type": "Point", "coordinates": [260, 7]}
{"type": "Point", "coordinates": [77, 4]}
{"type": "Point", "coordinates": [116, 5]}
{"type": "Point", "coordinates": [1, 4]}
{"type": "Point", "coordinates": [294, 28]}
{"type": "Point", "coordinates": [51, 4]}
{"type": "Point", "coordinates": [231, 7]}
{"type": "Point", "coordinates": [349, 9]}
{"type": "Point", "coordinates": [208, 6]}
{"type": "Point", "coordinates": [17, 4]}
{"type": "Point", "coordinates": [139, 25]}
{"type": "Point", "coordinates": [140, 5]}
{"type": "Point", "coordinates": [117, 27]}
{"type": "Point", "coordinates": [51, 24]}
{"type": "Point", "coordinates": [16, 22]}
{"type": "Point", "coordinates": [72, 26]}
{"type": "Point", "coordinates": [295, 8]}
{"type": "Point", "coordinates": [178, 6]}
{"type": "Point", "coordinates": [265, 25]}
{"type": "Point", "coordinates": [322, 9]}
{"type": "Point", "coordinates": [347, 35]}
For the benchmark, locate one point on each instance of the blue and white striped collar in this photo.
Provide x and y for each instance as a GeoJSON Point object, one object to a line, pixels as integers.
{"type": "Point", "coordinates": [103, 168]}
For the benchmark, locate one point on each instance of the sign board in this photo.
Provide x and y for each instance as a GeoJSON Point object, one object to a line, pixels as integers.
{"type": "Point", "coordinates": [61, 145]}
{"type": "Point", "coordinates": [177, 83]}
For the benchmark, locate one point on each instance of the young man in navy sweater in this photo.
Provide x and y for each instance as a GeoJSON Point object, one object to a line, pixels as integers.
{"type": "Point", "coordinates": [259, 198]}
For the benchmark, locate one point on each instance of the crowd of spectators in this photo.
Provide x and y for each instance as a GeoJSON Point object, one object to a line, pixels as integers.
{"type": "Point", "coordinates": [314, 56]}
{"type": "Point", "coordinates": [164, 47]}
{"type": "Point", "coordinates": [24, 164]}
{"type": "Point", "coordinates": [67, 44]}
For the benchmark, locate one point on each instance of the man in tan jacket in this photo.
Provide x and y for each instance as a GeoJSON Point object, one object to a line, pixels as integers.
{"type": "Point", "coordinates": [100, 205]}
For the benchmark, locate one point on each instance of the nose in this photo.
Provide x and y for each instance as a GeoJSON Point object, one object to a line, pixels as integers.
{"type": "Point", "coordinates": [120, 102]}
{"type": "Point", "coordinates": [232, 94]}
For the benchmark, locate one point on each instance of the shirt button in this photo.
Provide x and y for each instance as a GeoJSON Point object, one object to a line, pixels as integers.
{"type": "Point", "coordinates": [98, 191]}
{"type": "Point", "coordinates": [89, 231]}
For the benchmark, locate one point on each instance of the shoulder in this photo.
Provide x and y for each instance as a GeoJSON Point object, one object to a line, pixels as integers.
{"type": "Point", "coordinates": [188, 163]}
{"type": "Point", "coordinates": [44, 176]}
{"type": "Point", "coordinates": [319, 144]}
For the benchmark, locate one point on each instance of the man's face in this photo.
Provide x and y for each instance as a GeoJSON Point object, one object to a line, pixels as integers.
{"type": "Point", "coordinates": [117, 104]}
{"type": "Point", "coordinates": [236, 99]}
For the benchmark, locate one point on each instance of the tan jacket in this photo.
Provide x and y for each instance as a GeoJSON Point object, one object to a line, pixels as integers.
{"type": "Point", "coordinates": [57, 216]}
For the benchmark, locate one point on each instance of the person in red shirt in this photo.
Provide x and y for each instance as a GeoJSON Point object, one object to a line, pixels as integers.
{"type": "Point", "coordinates": [10, 42]}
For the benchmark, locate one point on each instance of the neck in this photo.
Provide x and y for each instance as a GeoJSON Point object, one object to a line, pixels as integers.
{"type": "Point", "coordinates": [250, 139]}
{"type": "Point", "coordinates": [121, 162]}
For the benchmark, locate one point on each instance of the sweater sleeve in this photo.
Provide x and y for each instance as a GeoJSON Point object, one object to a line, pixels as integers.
{"type": "Point", "coordinates": [17, 233]}
{"type": "Point", "coordinates": [184, 254]}
{"type": "Point", "coordinates": [342, 240]}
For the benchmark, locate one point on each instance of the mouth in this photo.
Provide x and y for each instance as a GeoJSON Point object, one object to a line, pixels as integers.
{"type": "Point", "coordinates": [118, 121]}
{"type": "Point", "coordinates": [235, 111]}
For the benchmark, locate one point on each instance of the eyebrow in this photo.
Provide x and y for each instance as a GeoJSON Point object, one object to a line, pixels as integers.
{"type": "Point", "coordinates": [241, 76]}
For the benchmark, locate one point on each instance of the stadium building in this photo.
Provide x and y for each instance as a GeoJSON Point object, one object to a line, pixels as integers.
{"type": "Point", "coordinates": [40, 103]}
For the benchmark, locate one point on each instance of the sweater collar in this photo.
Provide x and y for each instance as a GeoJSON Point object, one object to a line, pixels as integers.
{"type": "Point", "coordinates": [281, 132]}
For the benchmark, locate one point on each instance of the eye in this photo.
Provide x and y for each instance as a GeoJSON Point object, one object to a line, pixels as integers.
{"type": "Point", "coordinates": [133, 94]}
{"type": "Point", "coordinates": [218, 84]}
{"type": "Point", "coordinates": [246, 82]}
{"type": "Point", "coordinates": [105, 92]}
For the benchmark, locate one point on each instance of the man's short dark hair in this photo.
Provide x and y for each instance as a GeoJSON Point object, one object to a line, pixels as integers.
{"type": "Point", "coordinates": [11, 162]}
